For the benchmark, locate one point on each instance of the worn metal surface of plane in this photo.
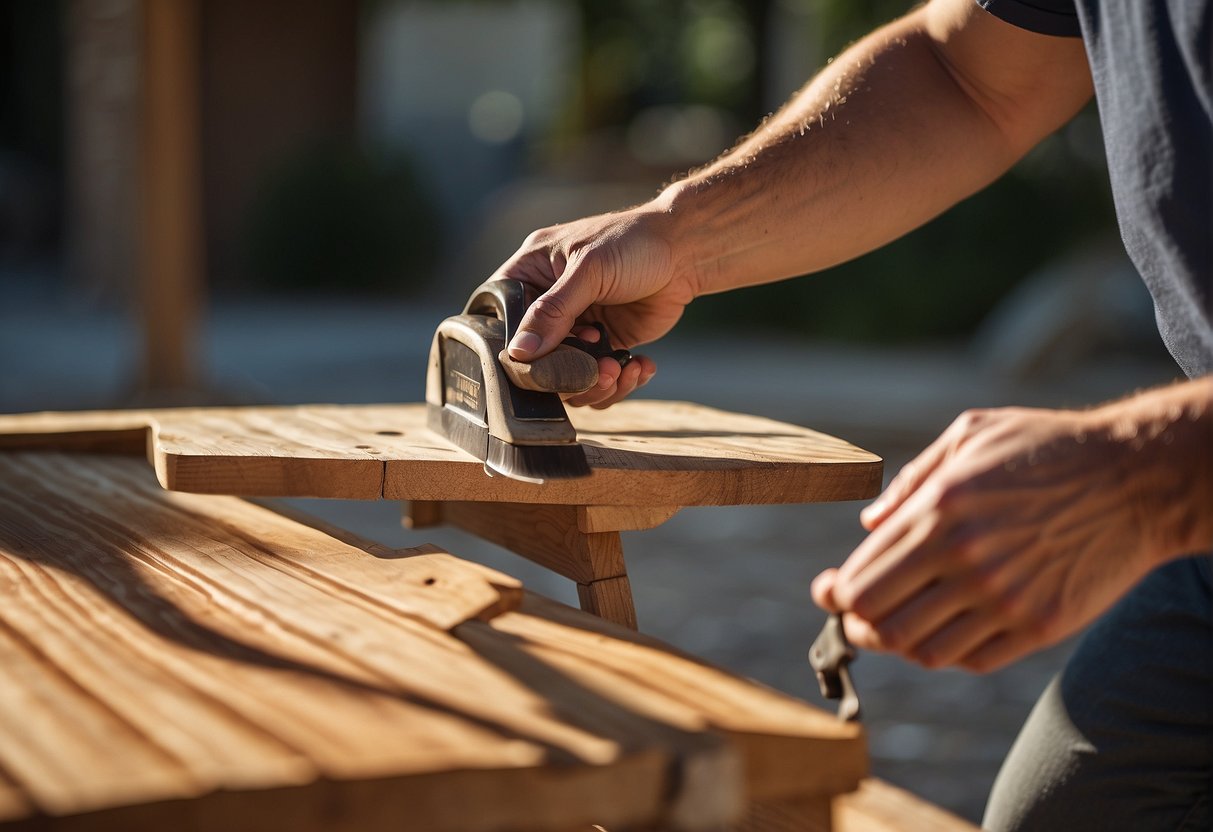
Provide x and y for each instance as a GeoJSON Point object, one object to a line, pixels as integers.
{"type": "Point", "coordinates": [505, 412]}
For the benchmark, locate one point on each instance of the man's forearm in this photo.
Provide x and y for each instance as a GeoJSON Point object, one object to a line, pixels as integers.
{"type": "Point", "coordinates": [1166, 437]}
{"type": "Point", "coordinates": [889, 135]}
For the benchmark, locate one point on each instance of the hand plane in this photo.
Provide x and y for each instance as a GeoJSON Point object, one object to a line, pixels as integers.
{"type": "Point", "coordinates": [508, 413]}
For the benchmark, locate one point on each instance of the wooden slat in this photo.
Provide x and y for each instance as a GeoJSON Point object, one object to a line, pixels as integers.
{"type": "Point", "coordinates": [790, 750]}
{"type": "Point", "coordinates": [166, 656]}
{"type": "Point", "coordinates": [641, 453]}
{"type": "Point", "coordinates": [878, 806]}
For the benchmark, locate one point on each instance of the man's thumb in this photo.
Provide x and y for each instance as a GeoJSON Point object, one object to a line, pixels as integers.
{"type": "Point", "coordinates": [550, 319]}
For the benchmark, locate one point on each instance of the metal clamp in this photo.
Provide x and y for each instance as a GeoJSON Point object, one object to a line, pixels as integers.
{"type": "Point", "coordinates": [829, 657]}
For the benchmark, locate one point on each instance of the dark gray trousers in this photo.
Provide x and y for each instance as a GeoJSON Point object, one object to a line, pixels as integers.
{"type": "Point", "coordinates": [1122, 739]}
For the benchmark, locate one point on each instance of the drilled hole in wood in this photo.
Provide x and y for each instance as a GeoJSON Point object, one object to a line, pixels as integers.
{"type": "Point", "coordinates": [431, 581]}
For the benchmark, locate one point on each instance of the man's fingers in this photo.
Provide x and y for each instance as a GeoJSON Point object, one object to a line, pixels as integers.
{"type": "Point", "coordinates": [893, 562]}
{"type": "Point", "coordinates": [956, 639]}
{"type": "Point", "coordinates": [553, 315]}
{"type": "Point", "coordinates": [614, 383]}
{"type": "Point", "coordinates": [908, 480]}
{"type": "Point", "coordinates": [822, 590]}
{"type": "Point", "coordinates": [998, 652]}
{"type": "Point", "coordinates": [920, 617]}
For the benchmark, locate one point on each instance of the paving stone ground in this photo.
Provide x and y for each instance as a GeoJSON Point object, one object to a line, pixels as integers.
{"type": "Point", "coordinates": [728, 584]}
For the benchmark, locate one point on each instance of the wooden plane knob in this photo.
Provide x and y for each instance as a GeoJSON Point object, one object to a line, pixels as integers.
{"type": "Point", "coordinates": [564, 370]}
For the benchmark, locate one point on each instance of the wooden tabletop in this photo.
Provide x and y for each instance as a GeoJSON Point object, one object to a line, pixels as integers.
{"type": "Point", "coordinates": [169, 656]}
{"type": "Point", "coordinates": [646, 453]}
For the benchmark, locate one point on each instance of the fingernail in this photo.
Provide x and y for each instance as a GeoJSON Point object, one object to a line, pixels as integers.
{"type": "Point", "coordinates": [524, 344]}
{"type": "Point", "coordinates": [605, 382]}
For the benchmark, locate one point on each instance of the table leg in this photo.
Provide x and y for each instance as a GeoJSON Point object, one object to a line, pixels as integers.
{"type": "Point", "coordinates": [579, 542]}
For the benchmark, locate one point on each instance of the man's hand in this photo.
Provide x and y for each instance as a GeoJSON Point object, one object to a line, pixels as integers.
{"type": "Point", "coordinates": [617, 269]}
{"type": "Point", "coordinates": [1018, 527]}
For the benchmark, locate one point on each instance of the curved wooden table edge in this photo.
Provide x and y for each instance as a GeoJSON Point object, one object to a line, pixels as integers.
{"type": "Point", "coordinates": [366, 478]}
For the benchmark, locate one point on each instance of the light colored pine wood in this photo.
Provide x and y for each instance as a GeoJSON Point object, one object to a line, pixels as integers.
{"type": "Point", "coordinates": [878, 806]}
{"type": "Point", "coordinates": [790, 750]}
{"type": "Point", "coordinates": [169, 658]}
{"type": "Point", "coordinates": [806, 814]}
{"type": "Point", "coordinates": [642, 453]}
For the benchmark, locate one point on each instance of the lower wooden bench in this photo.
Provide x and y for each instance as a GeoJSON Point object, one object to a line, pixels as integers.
{"type": "Point", "coordinates": [174, 660]}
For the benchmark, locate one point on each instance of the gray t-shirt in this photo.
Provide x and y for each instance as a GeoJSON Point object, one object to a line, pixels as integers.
{"type": "Point", "coordinates": [1151, 63]}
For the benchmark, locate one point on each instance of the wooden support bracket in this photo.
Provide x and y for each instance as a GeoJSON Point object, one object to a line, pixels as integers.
{"type": "Point", "coordinates": [579, 542]}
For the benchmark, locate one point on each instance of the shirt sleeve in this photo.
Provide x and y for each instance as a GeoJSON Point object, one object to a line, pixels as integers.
{"type": "Point", "coordinates": [1045, 17]}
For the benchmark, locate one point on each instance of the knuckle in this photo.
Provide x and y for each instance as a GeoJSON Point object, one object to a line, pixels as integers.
{"type": "Point", "coordinates": [550, 307]}
{"type": "Point", "coordinates": [539, 237]}
{"type": "Point", "coordinates": [973, 417]}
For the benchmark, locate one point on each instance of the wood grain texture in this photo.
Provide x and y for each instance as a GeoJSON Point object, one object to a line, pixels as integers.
{"type": "Point", "coordinates": [642, 453]}
{"type": "Point", "coordinates": [790, 750]}
{"type": "Point", "coordinates": [547, 535]}
{"type": "Point", "coordinates": [553, 536]}
{"type": "Point", "coordinates": [173, 659]}
{"type": "Point", "coordinates": [877, 806]}
{"type": "Point", "coordinates": [609, 599]}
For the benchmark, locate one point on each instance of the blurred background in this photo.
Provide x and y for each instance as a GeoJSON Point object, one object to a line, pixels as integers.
{"type": "Point", "coordinates": [215, 202]}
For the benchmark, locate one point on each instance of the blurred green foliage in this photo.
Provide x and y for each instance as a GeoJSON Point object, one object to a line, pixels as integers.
{"type": "Point", "coordinates": [640, 54]}
{"type": "Point", "coordinates": [333, 218]}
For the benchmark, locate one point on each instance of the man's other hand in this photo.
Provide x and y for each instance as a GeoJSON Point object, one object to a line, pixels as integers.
{"type": "Point", "coordinates": [1018, 527]}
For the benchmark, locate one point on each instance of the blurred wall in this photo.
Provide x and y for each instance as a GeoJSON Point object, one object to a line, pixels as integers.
{"type": "Point", "coordinates": [278, 77]}
{"type": "Point", "coordinates": [465, 87]}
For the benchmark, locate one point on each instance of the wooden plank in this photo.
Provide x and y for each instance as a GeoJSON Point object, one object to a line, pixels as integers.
{"type": "Point", "coordinates": [642, 453]}
{"type": "Point", "coordinates": [878, 806]}
{"type": "Point", "coordinates": [806, 814]}
{"type": "Point", "coordinates": [165, 656]}
{"type": "Point", "coordinates": [790, 750]}
{"type": "Point", "coordinates": [162, 655]}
